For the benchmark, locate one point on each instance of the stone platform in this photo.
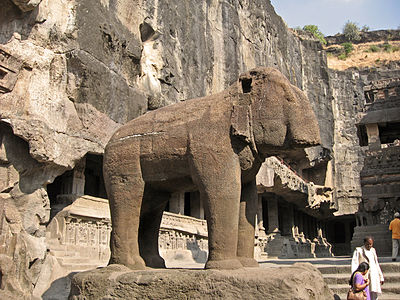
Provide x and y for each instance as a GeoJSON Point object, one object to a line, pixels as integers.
{"type": "Point", "coordinates": [300, 281]}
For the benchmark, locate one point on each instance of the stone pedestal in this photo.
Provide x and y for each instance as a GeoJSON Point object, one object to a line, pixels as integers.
{"type": "Point", "coordinates": [300, 281]}
{"type": "Point", "coordinates": [381, 235]}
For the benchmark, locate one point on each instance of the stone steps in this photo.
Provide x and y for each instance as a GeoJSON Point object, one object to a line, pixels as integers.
{"type": "Point", "coordinates": [341, 289]}
{"type": "Point", "coordinates": [343, 278]}
{"type": "Point", "coordinates": [80, 267]}
{"type": "Point", "coordinates": [71, 261]}
{"type": "Point", "coordinates": [337, 279]}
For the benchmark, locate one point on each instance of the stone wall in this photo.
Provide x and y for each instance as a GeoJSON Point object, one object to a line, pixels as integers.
{"type": "Point", "coordinates": [348, 104]}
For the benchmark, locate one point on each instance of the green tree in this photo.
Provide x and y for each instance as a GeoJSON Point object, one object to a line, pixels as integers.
{"type": "Point", "coordinates": [351, 31]}
{"type": "Point", "coordinates": [315, 32]}
{"type": "Point", "coordinates": [365, 28]}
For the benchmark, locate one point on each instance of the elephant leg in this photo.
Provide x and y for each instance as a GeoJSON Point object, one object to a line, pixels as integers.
{"type": "Point", "coordinates": [219, 187]}
{"type": "Point", "coordinates": [125, 186]}
{"type": "Point", "coordinates": [153, 205]}
{"type": "Point", "coordinates": [247, 219]}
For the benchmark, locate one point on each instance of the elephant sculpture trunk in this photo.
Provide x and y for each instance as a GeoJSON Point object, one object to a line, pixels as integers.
{"type": "Point", "coordinates": [214, 145]}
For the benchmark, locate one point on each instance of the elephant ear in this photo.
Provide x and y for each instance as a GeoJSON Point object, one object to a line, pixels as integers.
{"type": "Point", "coordinates": [241, 124]}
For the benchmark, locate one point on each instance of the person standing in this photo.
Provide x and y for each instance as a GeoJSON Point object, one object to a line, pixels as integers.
{"type": "Point", "coordinates": [367, 253]}
{"type": "Point", "coordinates": [395, 228]}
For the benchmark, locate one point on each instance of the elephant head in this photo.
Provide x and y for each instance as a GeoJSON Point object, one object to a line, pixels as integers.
{"type": "Point", "coordinates": [280, 114]}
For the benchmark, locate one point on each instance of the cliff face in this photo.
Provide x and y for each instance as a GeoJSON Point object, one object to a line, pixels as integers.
{"type": "Point", "coordinates": [72, 71]}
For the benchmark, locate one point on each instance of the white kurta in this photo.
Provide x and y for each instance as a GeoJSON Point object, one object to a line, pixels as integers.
{"type": "Point", "coordinates": [375, 273]}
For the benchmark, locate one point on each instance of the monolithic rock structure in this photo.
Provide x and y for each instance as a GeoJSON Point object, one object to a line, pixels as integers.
{"type": "Point", "coordinates": [379, 131]}
{"type": "Point", "coordinates": [214, 145]}
{"type": "Point", "coordinates": [72, 72]}
{"type": "Point", "coordinates": [300, 281]}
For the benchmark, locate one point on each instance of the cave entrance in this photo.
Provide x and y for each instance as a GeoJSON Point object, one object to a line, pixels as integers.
{"type": "Point", "coordinates": [339, 233]}
{"type": "Point", "coordinates": [86, 178]}
{"type": "Point", "coordinates": [94, 181]}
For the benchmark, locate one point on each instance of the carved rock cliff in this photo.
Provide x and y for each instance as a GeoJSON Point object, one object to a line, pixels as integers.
{"type": "Point", "coordinates": [71, 72]}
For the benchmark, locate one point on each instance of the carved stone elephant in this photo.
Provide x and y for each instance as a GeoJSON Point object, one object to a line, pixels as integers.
{"type": "Point", "coordinates": [214, 145]}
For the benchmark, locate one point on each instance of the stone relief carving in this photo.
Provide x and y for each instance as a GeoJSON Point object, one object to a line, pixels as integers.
{"type": "Point", "coordinates": [9, 69]}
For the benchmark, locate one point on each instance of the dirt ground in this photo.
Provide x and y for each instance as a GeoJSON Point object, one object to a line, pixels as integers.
{"type": "Point", "coordinates": [362, 57]}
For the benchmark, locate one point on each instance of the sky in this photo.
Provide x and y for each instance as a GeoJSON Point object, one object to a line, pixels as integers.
{"type": "Point", "coordinates": [331, 15]}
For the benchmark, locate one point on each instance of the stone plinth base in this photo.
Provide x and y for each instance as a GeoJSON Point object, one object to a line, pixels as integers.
{"type": "Point", "coordinates": [300, 281]}
{"type": "Point", "coordinates": [381, 235]}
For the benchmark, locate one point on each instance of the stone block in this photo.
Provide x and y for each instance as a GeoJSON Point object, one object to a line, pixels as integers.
{"type": "Point", "coordinates": [300, 281]}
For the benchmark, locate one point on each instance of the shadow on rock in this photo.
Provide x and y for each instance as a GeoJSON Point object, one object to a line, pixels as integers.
{"type": "Point", "coordinates": [59, 289]}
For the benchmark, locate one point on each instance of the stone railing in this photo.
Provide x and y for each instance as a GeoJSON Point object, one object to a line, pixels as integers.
{"type": "Point", "coordinates": [82, 228]}
{"type": "Point", "coordinates": [382, 161]}
{"type": "Point", "coordinates": [317, 194]}
{"type": "Point", "coordinates": [288, 177]}
{"type": "Point", "coordinates": [183, 237]}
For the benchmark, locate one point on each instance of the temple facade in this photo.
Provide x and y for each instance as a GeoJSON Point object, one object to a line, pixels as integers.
{"type": "Point", "coordinates": [379, 134]}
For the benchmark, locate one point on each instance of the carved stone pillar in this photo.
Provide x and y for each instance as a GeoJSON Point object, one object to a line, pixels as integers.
{"type": "Point", "coordinates": [259, 217]}
{"type": "Point", "coordinates": [301, 224]}
{"type": "Point", "coordinates": [314, 228]}
{"type": "Point", "coordinates": [78, 179]}
{"type": "Point", "coordinates": [289, 221]}
{"type": "Point", "coordinates": [273, 220]}
{"type": "Point", "coordinates": [196, 205]}
{"type": "Point", "coordinates": [177, 203]}
{"type": "Point", "coordinates": [305, 226]}
{"type": "Point", "coordinates": [319, 230]}
{"type": "Point", "coordinates": [373, 136]}
{"type": "Point", "coordinates": [296, 223]}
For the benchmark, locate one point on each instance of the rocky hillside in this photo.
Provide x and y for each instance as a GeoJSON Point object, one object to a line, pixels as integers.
{"type": "Point", "coordinates": [374, 49]}
{"type": "Point", "coordinates": [365, 55]}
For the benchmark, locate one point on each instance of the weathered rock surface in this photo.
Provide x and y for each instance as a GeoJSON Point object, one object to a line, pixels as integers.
{"type": "Point", "coordinates": [301, 281]}
{"type": "Point", "coordinates": [71, 72]}
{"type": "Point", "coordinates": [366, 37]}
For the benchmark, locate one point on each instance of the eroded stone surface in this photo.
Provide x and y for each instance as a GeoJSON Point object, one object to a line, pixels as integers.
{"type": "Point", "coordinates": [301, 281]}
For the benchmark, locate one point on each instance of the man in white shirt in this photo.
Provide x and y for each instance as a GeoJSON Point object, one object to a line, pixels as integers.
{"type": "Point", "coordinates": [367, 254]}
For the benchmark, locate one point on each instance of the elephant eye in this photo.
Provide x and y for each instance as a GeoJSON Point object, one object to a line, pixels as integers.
{"type": "Point", "coordinates": [246, 85]}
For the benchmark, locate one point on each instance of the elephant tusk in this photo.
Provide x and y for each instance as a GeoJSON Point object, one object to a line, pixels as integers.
{"type": "Point", "coordinates": [139, 135]}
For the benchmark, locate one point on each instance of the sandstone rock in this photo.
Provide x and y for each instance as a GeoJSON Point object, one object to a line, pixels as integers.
{"type": "Point", "coordinates": [301, 281]}
{"type": "Point", "coordinates": [26, 5]}
{"type": "Point", "coordinates": [14, 256]}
